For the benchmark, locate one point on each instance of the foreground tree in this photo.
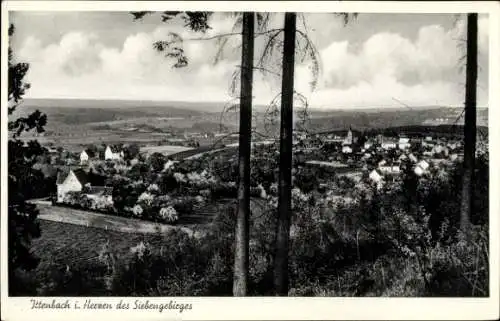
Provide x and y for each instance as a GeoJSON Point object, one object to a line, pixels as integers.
{"type": "Point", "coordinates": [286, 139]}
{"type": "Point", "coordinates": [241, 256]}
{"type": "Point", "coordinates": [470, 124]}
{"type": "Point", "coordinates": [22, 217]}
{"type": "Point", "coordinates": [285, 167]}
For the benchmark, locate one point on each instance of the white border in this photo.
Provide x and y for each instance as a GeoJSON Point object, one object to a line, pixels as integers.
{"type": "Point", "coordinates": [265, 307]}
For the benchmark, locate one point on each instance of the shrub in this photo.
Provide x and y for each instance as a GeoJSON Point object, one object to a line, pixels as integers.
{"type": "Point", "coordinates": [169, 214]}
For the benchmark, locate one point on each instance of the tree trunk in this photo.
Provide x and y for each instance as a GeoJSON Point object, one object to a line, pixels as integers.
{"type": "Point", "coordinates": [470, 124]}
{"type": "Point", "coordinates": [285, 165]}
{"type": "Point", "coordinates": [243, 216]}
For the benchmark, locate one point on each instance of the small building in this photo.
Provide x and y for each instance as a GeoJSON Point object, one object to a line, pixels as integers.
{"type": "Point", "coordinates": [348, 139]}
{"type": "Point", "coordinates": [367, 145]}
{"type": "Point", "coordinates": [419, 171]}
{"type": "Point", "coordinates": [346, 149]}
{"type": "Point", "coordinates": [86, 155]}
{"type": "Point", "coordinates": [423, 164]}
{"type": "Point", "coordinates": [376, 178]}
{"type": "Point", "coordinates": [421, 168]}
{"type": "Point", "coordinates": [388, 144]}
{"type": "Point", "coordinates": [413, 158]}
{"type": "Point", "coordinates": [76, 180]}
{"type": "Point", "coordinates": [113, 153]}
{"type": "Point", "coordinates": [404, 143]}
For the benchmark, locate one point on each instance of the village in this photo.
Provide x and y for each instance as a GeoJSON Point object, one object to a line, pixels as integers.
{"type": "Point", "coordinates": [351, 156]}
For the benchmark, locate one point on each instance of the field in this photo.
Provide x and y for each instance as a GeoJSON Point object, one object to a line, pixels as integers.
{"type": "Point", "coordinates": [63, 243]}
{"type": "Point", "coordinates": [165, 149]}
{"type": "Point", "coordinates": [106, 222]}
{"type": "Point", "coordinates": [73, 124]}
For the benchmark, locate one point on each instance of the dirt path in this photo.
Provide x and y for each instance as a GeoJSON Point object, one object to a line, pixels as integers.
{"type": "Point", "coordinates": [103, 221]}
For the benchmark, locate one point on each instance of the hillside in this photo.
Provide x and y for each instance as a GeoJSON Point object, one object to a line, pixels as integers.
{"type": "Point", "coordinates": [380, 118]}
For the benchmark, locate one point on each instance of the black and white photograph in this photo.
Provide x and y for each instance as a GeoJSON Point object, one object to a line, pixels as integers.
{"type": "Point", "coordinates": [246, 153]}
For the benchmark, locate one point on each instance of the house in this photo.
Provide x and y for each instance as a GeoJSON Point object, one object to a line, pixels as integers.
{"type": "Point", "coordinates": [389, 169]}
{"type": "Point", "coordinates": [404, 143]}
{"type": "Point", "coordinates": [413, 158]}
{"type": "Point", "coordinates": [366, 156]}
{"type": "Point", "coordinates": [421, 168]}
{"type": "Point", "coordinates": [78, 180]}
{"type": "Point", "coordinates": [113, 153]}
{"type": "Point", "coordinates": [348, 139]}
{"type": "Point", "coordinates": [346, 149]}
{"type": "Point", "coordinates": [376, 178]}
{"type": "Point", "coordinates": [388, 144]}
{"type": "Point", "coordinates": [418, 171]}
{"type": "Point", "coordinates": [52, 150]}
{"type": "Point", "coordinates": [423, 164]}
{"type": "Point", "coordinates": [86, 155]}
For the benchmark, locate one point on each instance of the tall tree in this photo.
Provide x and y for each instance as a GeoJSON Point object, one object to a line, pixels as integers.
{"type": "Point", "coordinates": [470, 124]}
{"type": "Point", "coordinates": [245, 133]}
{"type": "Point", "coordinates": [285, 165]}
{"type": "Point", "coordinates": [22, 216]}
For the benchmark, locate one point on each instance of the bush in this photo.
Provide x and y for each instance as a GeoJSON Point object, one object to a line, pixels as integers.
{"type": "Point", "coordinates": [169, 214]}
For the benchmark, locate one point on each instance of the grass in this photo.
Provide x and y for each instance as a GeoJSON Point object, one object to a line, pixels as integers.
{"type": "Point", "coordinates": [102, 221]}
{"type": "Point", "coordinates": [63, 246]}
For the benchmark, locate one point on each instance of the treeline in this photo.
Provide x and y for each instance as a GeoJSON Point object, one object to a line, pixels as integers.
{"type": "Point", "coordinates": [456, 131]}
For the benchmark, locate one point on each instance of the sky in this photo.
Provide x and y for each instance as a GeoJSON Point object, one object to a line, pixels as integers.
{"type": "Point", "coordinates": [375, 60]}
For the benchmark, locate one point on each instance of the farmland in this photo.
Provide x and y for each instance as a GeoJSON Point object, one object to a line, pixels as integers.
{"type": "Point", "coordinates": [165, 149]}
{"type": "Point", "coordinates": [76, 123]}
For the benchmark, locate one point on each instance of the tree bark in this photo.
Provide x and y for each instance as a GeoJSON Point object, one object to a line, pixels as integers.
{"type": "Point", "coordinates": [285, 165]}
{"type": "Point", "coordinates": [242, 223]}
{"type": "Point", "coordinates": [470, 124]}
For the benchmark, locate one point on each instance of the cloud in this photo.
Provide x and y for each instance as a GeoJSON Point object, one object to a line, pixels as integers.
{"type": "Point", "coordinates": [420, 70]}
{"type": "Point", "coordinates": [80, 66]}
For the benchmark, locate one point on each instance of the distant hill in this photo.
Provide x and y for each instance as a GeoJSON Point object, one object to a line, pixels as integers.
{"type": "Point", "coordinates": [81, 111]}
{"type": "Point", "coordinates": [394, 117]}
{"type": "Point", "coordinates": [207, 117]}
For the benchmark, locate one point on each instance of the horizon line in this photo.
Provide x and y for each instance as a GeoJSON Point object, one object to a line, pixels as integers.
{"type": "Point", "coordinates": [257, 104]}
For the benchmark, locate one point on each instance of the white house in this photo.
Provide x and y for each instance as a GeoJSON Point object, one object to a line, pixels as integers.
{"type": "Point", "coordinates": [113, 153]}
{"type": "Point", "coordinates": [385, 169]}
{"type": "Point", "coordinates": [423, 164]}
{"type": "Point", "coordinates": [404, 143]}
{"type": "Point", "coordinates": [346, 149]}
{"type": "Point", "coordinates": [77, 180]}
{"type": "Point", "coordinates": [421, 167]}
{"type": "Point", "coordinates": [376, 178]}
{"type": "Point", "coordinates": [390, 169]}
{"type": "Point", "coordinates": [366, 156]}
{"type": "Point", "coordinates": [388, 145]}
{"type": "Point", "coordinates": [403, 157]}
{"type": "Point", "coordinates": [86, 155]}
{"type": "Point", "coordinates": [418, 171]}
{"type": "Point", "coordinates": [348, 139]}
{"type": "Point", "coordinates": [69, 183]}
{"type": "Point", "coordinates": [413, 158]}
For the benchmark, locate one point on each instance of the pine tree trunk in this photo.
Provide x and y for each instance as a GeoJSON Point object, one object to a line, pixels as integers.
{"type": "Point", "coordinates": [285, 165]}
{"type": "Point", "coordinates": [243, 216]}
{"type": "Point", "coordinates": [470, 124]}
